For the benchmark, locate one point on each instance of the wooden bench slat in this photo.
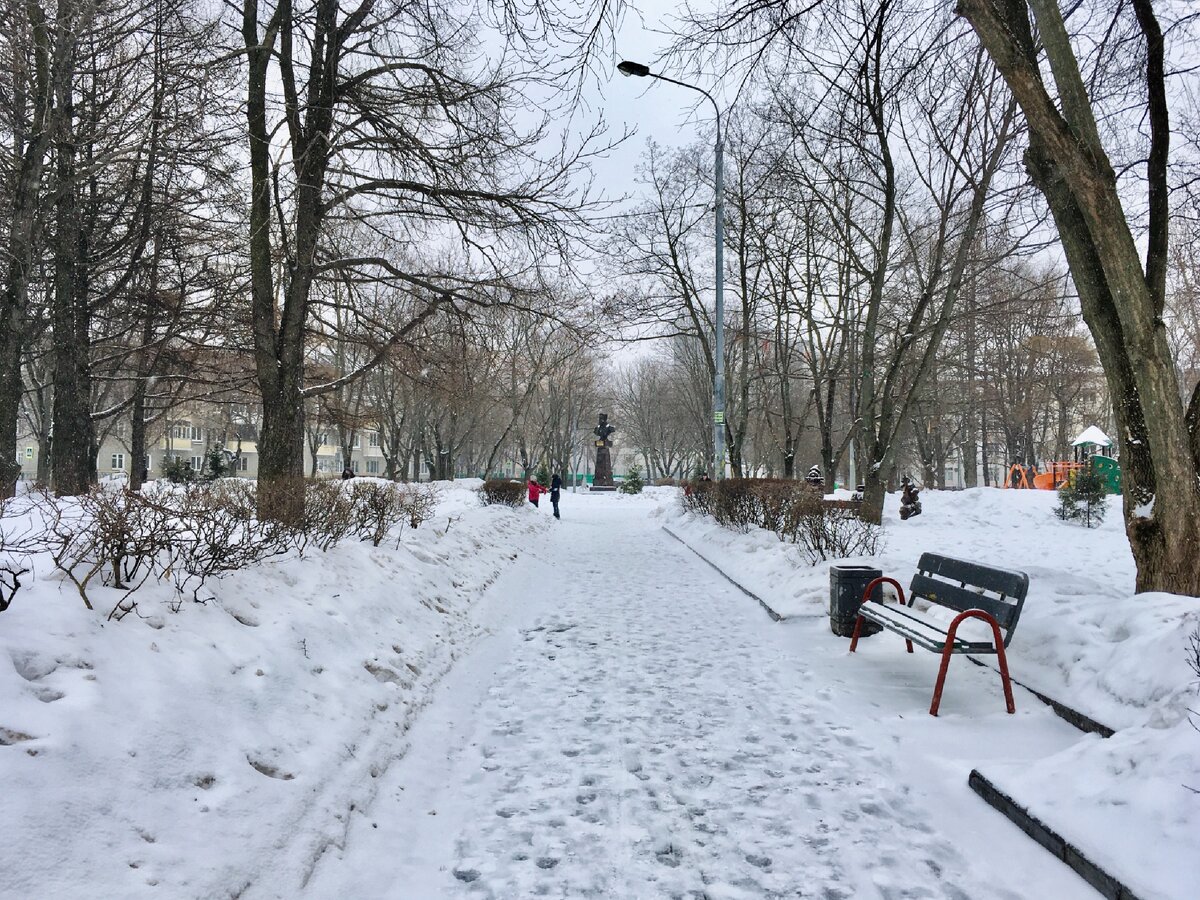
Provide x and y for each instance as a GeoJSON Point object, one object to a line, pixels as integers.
{"type": "Point", "coordinates": [1009, 582]}
{"type": "Point", "coordinates": [909, 623]}
{"type": "Point", "coordinates": [954, 597]}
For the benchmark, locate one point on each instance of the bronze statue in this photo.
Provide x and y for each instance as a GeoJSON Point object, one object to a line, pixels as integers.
{"type": "Point", "coordinates": [604, 473]}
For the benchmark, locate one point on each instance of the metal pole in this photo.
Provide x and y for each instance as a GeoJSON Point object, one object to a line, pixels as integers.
{"type": "Point", "coordinates": [719, 352]}
{"type": "Point", "coordinates": [640, 71]}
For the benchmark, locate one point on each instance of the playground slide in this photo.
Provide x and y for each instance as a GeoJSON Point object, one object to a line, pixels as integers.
{"type": "Point", "coordinates": [1044, 482]}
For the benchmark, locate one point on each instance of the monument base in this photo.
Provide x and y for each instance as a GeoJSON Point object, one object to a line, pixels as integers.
{"type": "Point", "coordinates": [602, 488]}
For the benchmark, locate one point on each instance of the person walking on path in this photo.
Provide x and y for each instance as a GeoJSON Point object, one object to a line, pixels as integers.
{"type": "Point", "coordinates": [555, 493]}
{"type": "Point", "coordinates": [535, 491]}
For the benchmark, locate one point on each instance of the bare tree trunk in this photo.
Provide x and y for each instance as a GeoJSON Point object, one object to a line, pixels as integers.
{"type": "Point", "coordinates": [1122, 301]}
{"type": "Point", "coordinates": [74, 432]}
{"type": "Point", "coordinates": [22, 238]}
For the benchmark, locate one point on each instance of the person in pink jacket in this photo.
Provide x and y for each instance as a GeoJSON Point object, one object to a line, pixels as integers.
{"type": "Point", "coordinates": [535, 491]}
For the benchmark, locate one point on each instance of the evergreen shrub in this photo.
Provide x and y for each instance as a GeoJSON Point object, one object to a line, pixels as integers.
{"type": "Point", "coordinates": [1083, 499]}
{"type": "Point", "coordinates": [633, 483]}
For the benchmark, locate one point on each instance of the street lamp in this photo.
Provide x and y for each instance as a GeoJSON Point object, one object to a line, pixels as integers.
{"type": "Point", "coordinates": [640, 71]}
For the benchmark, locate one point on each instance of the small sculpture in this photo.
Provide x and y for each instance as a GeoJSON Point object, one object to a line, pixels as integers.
{"type": "Point", "coordinates": [910, 503]}
{"type": "Point", "coordinates": [815, 479]}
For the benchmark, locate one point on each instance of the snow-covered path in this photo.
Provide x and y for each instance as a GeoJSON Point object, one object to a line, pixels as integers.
{"type": "Point", "coordinates": [636, 728]}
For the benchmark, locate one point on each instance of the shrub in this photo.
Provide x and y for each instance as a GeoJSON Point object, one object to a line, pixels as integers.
{"type": "Point", "coordinates": [788, 508]}
{"type": "Point", "coordinates": [419, 502]}
{"type": "Point", "coordinates": [215, 465]}
{"type": "Point", "coordinates": [16, 545]}
{"type": "Point", "coordinates": [502, 491]}
{"type": "Point", "coordinates": [177, 470]}
{"type": "Point", "coordinates": [1083, 499]}
{"type": "Point", "coordinates": [329, 515]}
{"type": "Point", "coordinates": [665, 482]}
{"type": "Point", "coordinates": [835, 534]}
{"type": "Point", "coordinates": [633, 483]}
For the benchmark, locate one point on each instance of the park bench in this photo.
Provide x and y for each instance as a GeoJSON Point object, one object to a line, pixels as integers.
{"type": "Point", "coordinates": [972, 591]}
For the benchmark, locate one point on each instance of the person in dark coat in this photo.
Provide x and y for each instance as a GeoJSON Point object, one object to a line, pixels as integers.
{"type": "Point", "coordinates": [555, 492]}
{"type": "Point", "coordinates": [347, 474]}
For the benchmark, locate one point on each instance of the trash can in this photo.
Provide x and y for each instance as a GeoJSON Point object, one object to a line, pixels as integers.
{"type": "Point", "coordinates": [846, 586]}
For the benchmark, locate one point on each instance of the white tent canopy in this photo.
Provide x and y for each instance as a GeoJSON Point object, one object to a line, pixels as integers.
{"type": "Point", "coordinates": [1092, 435]}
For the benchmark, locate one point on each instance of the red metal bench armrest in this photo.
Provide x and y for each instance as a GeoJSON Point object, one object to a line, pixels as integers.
{"type": "Point", "coordinates": [878, 581]}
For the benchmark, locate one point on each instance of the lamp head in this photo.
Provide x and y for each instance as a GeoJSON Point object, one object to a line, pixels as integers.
{"type": "Point", "coordinates": [632, 68]}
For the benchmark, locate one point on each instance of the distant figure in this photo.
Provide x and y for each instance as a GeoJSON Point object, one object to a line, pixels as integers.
{"type": "Point", "coordinates": [815, 479]}
{"type": "Point", "coordinates": [555, 493]}
{"type": "Point", "coordinates": [535, 491]}
{"type": "Point", "coordinates": [910, 503]}
{"type": "Point", "coordinates": [704, 477]}
{"type": "Point", "coordinates": [347, 474]}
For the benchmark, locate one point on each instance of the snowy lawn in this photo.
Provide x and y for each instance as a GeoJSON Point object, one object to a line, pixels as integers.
{"type": "Point", "coordinates": [1084, 638]}
{"type": "Point", "coordinates": [172, 756]}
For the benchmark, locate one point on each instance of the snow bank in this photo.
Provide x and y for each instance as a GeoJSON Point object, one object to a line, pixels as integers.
{"type": "Point", "coordinates": [1084, 638]}
{"type": "Point", "coordinates": [138, 758]}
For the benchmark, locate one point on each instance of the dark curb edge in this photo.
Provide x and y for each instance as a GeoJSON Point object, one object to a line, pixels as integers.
{"type": "Point", "coordinates": [1063, 850]}
{"type": "Point", "coordinates": [745, 590]}
{"type": "Point", "coordinates": [1082, 721]}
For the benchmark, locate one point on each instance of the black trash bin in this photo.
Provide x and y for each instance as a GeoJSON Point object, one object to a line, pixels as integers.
{"type": "Point", "coordinates": [846, 586]}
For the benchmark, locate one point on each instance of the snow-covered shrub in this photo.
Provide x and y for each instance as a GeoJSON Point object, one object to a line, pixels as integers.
{"type": "Point", "coordinates": [18, 541]}
{"type": "Point", "coordinates": [217, 535]}
{"type": "Point", "coordinates": [503, 491]}
{"type": "Point", "coordinates": [826, 533]}
{"type": "Point", "coordinates": [378, 505]}
{"type": "Point", "coordinates": [633, 483]}
{"type": "Point", "coordinates": [329, 515]}
{"type": "Point", "coordinates": [790, 509]}
{"type": "Point", "coordinates": [419, 501]}
{"type": "Point", "coordinates": [1083, 498]}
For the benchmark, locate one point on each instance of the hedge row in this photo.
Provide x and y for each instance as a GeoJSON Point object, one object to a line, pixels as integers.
{"type": "Point", "coordinates": [791, 509]}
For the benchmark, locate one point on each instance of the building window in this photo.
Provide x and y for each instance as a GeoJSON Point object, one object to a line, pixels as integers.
{"type": "Point", "coordinates": [357, 442]}
{"type": "Point", "coordinates": [373, 438]}
{"type": "Point", "coordinates": [118, 461]}
{"type": "Point", "coordinates": [197, 463]}
{"type": "Point", "coordinates": [197, 434]}
{"type": "Point", "coordinates": [354, 466]}
{"type": "Point", "coordinates": [244, 463]}
{"type": "Point", "coordinates": [121, 429]}
{"type": "Point", "coordinates": [322, 439]}
{"type": "Point", "coordinates": [372, 467]}
{"type": "Point", "coordinates": [322, 465]}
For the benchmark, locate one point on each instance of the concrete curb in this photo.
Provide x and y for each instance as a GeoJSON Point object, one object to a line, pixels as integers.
{"type": "Point", "coordinates": [1068, 853]}
{"type": "Point", "coordinates": [745, 590]}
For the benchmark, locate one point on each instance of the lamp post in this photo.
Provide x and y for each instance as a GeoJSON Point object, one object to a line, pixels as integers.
{"type": "Point", "coordinates": [640, 71]}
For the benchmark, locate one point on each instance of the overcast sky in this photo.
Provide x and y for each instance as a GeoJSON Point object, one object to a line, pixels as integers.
{"type": "Point", "coordinates": [653, 109]}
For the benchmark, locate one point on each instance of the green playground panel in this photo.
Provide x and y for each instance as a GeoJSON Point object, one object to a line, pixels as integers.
{"type": "Point", "coordinates": [1110, 471]}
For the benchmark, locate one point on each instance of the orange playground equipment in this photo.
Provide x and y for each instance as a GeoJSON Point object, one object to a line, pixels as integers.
{"type": "Point", "coordinates": [1090, 449]}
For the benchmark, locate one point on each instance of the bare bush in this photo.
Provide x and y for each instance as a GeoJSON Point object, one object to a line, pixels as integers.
{"type": "Point", "coordinates": [17, 544]}
{"type": "Point", "coordinates": [217, 534]}
{"type": "Point", "coordinates": [835, 534]}
{"type": "Point", "coordinates": [502, 491]}
{"type": "Point", "coordinates": [329, 515]}
{"type": "Point", "coordinates": [420, 503]}
{"type": "Point", "coordinates": [790, 509]}
{"type": "Point", "coordinates": [377, 507]}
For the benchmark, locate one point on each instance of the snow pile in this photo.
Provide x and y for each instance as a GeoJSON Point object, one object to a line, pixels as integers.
{"type": "Point", "coordinates": [1084, 638]}
{"type": "Point", "coordinates": [171, 756]}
